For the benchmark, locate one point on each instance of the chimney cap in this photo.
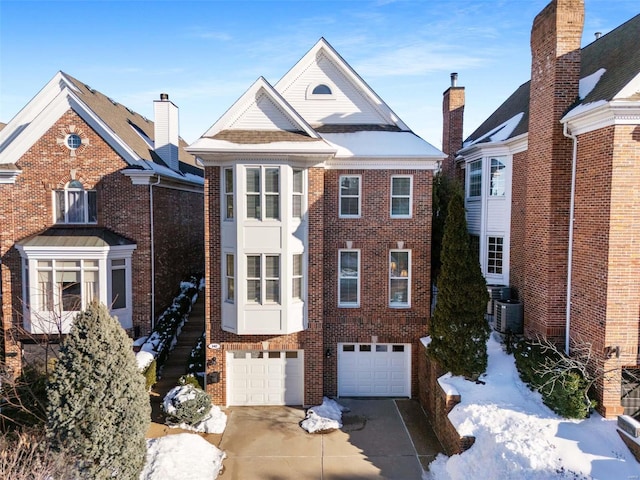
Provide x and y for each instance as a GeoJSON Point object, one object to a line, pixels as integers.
{"type": "Point", "coordinates": [454, 79]}
{"type": "Point", "coordinates": [164, 97]}
{"type": "Point", "coordinates": [598, 35]}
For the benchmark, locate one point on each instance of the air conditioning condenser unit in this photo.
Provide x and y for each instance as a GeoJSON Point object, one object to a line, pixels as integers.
{"type": "Point", "coordinates": [508, 316]}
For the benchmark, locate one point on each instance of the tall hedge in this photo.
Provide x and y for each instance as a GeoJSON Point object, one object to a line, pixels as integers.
{"type": "Point", "coordinates": [459, 331]}
{"type": "Point", "coordinates": [98, 405]}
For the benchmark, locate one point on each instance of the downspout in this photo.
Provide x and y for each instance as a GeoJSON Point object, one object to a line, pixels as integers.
{"type": "Point", "coordinates": [153, 258]}
{"type": "Point", "coordinates": [565, 132]}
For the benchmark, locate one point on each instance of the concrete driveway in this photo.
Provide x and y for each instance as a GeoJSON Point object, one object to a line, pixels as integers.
{"type": "Point", "coordinates": [381, 439]}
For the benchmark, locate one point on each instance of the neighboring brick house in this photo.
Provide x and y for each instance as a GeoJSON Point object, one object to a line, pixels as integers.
{"type": "Point", "coordinates": [318, 221]}
{"type": "Point", "coordinates": [93, 208]}
{"type": "Point", "coordinates": [551, 180]}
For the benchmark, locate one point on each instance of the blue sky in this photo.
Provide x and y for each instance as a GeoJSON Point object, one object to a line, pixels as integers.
{"type": "Point", "coordinates": [206, 53]}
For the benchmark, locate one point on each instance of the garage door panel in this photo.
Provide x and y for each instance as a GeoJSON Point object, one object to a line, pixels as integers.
{"type": "Point", "coordinates": [374, 370]}
{"type": "Point", "coordinates": [265, 378]}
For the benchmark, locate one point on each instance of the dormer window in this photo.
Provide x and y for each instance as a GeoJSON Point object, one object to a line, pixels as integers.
{"type": "Point", "coordinates": [320, 91]}
{"type": "Point", "coordinates": [74, 204]}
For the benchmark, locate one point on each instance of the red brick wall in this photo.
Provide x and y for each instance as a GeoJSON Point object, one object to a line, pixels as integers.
{"type": "Point", "coordinates": [309, 340]}
{"type": "Point", "coordinates": [518, 224]}
{"type": "Point", "coordinates": [375, 234]}
{"type": "Point", "coordinates": [555, 71]}
{"type": "Point", "coordinates": [452, 129]}
{"type": "Point", "coordinates": [122, 207]}
{"type": "Point", "coordinates": [606, 270]}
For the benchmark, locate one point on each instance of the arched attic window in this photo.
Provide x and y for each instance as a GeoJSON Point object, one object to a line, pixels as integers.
{"type": "Point", "coordinates": [320, 91]}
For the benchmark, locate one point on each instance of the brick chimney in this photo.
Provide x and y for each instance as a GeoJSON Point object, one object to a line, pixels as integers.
{"type": "Point", "coordinates": [555, 74]}
{"type": "Point", "coordinates": [452, 123]}
{"type": "Point", "coordinates": [166, 130]}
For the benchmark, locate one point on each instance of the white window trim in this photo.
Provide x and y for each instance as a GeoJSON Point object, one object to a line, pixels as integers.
{"type": "Point", "coordinates": [262, 193]}
{"type": "Point", "coordinates": [31, 255]}
{"type": "Point", "coordinates": [225, 194]}
{"type": "Point", "coordinates": [263, 279]}
{"type": "Point", "coordinates": [309, 95]}
{"type": "Point", "coordinates": [407, 278]}
{"type": "Point", "coordinates": [358, 278]}
{"type": "Point", "coordinates": [469, 176]}
{"type": "Point", "coordinates": [65, 207]}
{"type": "Point", "coordinates": [392, 196]}
{"type": "Point", "coordinates": [501, 272]}
{"type": "Point", "coordinates": [340, 197]}
{"type": "Point", "coordinates": [226, 277]}
{"type": "Point", "coordinates": [502, 177]}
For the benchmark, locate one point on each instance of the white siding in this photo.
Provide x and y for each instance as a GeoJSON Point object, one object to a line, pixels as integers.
{"type": "Point", "coordinates": [347, 105]}
{"type": "Point", "coordinates": [263, 115]}
{"type": "Point", "coordinates": [474, 216]}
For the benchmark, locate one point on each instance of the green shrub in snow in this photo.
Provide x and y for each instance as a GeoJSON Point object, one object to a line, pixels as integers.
{"type": "Point", "coordinates": [186, 403]}
{"type": "Point", "coordinates": [98, 405]}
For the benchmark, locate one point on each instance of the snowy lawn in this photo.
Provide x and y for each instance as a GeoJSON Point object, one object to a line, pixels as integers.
{"type": "Point", "coordinates": [517, 436]}
{"type": "Point", "coordinates": [184, 456]}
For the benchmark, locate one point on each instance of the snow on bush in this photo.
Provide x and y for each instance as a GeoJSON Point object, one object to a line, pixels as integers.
{"type": "Point", "coordinates": [186, 403]}
{"type": "Point", "coordinates": [184, 455]}
{"type": "Point", "coordinates": [323, 418]}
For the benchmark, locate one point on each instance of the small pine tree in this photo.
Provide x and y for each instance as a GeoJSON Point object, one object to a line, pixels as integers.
{"type": "Point", "coordinates": [459, 331]}
{"type": "Point", "coordinates": [98, 405]}
{"type": "Point", "coordinates": [443, 189]}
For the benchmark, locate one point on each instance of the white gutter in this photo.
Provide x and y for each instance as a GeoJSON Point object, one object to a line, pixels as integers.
{"type": "Point", "coordinates": [153, 258]}
{"type": "Point", "coordinates": [565, 132]}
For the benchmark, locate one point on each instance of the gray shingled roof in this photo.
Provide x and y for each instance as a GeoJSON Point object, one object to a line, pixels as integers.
{"type": "Point", "coordinates": [618, 52]}
{"type": "Point", "coordinates": [126, 124]}
{"type": "Point", "coordinates": [263, 136]}
{"type": "Point", "coordinates": [75, 236]}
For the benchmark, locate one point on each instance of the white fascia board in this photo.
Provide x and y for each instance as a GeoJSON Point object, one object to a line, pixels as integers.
{"type": "Point", "coordinates": [73, 253]}
{"type": "Point", "coordinates": [35, 106]}
{"type": "Point", "coordinates": [310, 57]}
{"type": "Point", "coordinates": [507, 147]}
{"type": "Point", "coordinates": [362, 163]}
{"type": "Point", "coordinates": [248, 98]}
{"type": "Point", "coordinates": [602, 114]}
{"type": "Point", "coordinates": [309, 160]}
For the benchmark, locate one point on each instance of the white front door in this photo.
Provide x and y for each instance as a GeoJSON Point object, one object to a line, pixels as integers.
{"type": "Point", "coordinates": [374, 369]}
{"type": "Point", "coordinates": [265, 377]}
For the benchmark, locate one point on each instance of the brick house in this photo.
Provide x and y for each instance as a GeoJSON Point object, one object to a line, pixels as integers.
{"type": "Point", "coordinates": [317, 240]}
{"type": "Point", "coordinates": [552, 195]}
{"type": "Point", "coordinates": [97, 203]}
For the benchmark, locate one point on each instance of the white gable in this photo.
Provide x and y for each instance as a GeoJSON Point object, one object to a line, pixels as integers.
{"type": "Point", "coordinates": [345, 105]}
{"type": "Point", "coordinates": [261, 108]}
{"type": "Point", "coordinates": [263, 114]}
{"type": "Point", "coordinates": [351, 101]}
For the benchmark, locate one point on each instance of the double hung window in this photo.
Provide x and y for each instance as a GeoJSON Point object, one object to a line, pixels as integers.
{"type": "Point", "coordinates": [350, 193]}
{"type": "Point", "coordinates": [230, 278]}
{"type": "Point", "coordinates": [399, 277]}
{"type": "Point", "coordinates": [263, 279]}
{"type": "Point", "coordinates": [297, 193]}
{"type": "Point", "coordinates": [297, 277]}
{"type": "Point", "coordinates": [263, 188]}
{"type": "Point", "coordinates": [228, 194]}
{"type": "Point", "coordinates": [475, 178]}
{"type": "Point", "coordinates": [401, 197]}
{"type": "Point", "coordinates": [494, 255]}
{"type": "Point", "coordinates": [349, 278]}
{"type": "Point", "coordinates": [497, 186]}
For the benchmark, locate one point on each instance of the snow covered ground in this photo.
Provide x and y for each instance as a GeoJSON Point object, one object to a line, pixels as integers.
{"type": "Point", "coordinates": [518, 437]}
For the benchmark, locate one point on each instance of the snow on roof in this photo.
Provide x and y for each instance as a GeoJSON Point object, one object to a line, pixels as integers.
{"type": "Point", "coordinates": [381, 144]}
{"type": "Point", "coordinates": [205, 145]}
{"type": "Point", "coordinates": [500, 133]}
{"type": "Point", "coordinates": [589, 82]}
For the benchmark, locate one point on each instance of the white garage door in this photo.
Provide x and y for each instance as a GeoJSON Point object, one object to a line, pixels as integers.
{"type": "Point", "coordinates": [374, 369]}
{"type": "Point", "coordinates": [265, 378]}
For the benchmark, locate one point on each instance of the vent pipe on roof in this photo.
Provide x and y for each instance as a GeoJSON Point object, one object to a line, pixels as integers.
{"type": "Point", "coordinates": [164, 97]}
{"type": "Point", "coordinates": [454, 79]}
{"type": "Point", "coordinates": [598, 35]}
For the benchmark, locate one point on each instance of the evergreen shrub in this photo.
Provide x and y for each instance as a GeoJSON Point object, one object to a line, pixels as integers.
{"type": "Point", "coordinates": [150, 375]}
{"type": "Point", "coordinates": [567, 396]}
{"type": "Point", "coordinates": [98, 406]}
{"type": "Point", "coordinates": [186, 403]}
